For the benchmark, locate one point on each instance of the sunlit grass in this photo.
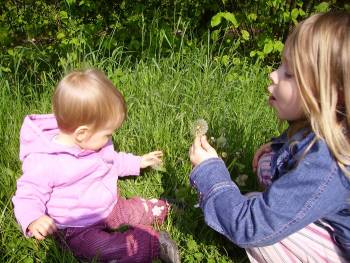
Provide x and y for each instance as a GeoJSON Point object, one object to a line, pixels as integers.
{"type": "Point", "coordinates": [164, 97]}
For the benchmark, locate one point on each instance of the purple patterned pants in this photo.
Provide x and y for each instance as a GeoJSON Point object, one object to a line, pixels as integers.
{"type": "Point", "coordinates": [104, 243]}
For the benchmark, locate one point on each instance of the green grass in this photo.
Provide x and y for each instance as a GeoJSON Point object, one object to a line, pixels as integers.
{"type": "Point", "coordinates": [164, 97]}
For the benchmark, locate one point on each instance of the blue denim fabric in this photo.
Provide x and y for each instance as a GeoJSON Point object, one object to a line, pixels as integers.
{"type": "Point", "coordinates": [305, 189]}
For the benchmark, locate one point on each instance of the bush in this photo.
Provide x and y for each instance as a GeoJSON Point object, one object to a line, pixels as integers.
{"type": "Point", "coordinates": [55, 30]}
{"type": "Point", "coordinates": [259, 28]}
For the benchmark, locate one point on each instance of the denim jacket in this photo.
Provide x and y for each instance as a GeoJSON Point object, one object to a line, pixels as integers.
{"type": "Point", "coordinates": [306, 188]}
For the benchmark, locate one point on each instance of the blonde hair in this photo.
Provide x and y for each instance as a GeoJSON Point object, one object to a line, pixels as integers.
{"type": "Point", "coordinates": [317, 52]}
{"type": "Point", "coordinates": [87, 98]}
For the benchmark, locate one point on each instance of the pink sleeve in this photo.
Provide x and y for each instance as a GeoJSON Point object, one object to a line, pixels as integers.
{"type": "Point", "coordinates": [127, 164]}
{"type": "Point", "coordinates": [33, 191]}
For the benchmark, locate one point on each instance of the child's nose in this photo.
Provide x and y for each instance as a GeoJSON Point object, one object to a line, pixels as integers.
{"type": "Point", "coordinates": [273, 76]}
{"type": "Point", "coordinates": [270, 89]}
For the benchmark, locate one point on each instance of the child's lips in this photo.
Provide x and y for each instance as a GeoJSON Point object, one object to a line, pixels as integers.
{"type": "Point", "coordinates": [271, 99]}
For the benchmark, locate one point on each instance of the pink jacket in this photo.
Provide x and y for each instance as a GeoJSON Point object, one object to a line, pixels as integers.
{"type": "Point", "coordinates": [75, 187]}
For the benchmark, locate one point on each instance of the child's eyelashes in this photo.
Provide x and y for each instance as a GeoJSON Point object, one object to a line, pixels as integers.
{"type": "Point", "coordinates": [288, 75]}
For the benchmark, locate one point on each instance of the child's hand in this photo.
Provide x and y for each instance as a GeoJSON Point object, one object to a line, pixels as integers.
{"type": "Point", "coordinates": [201, 150]}
{"type": "Point", "coordinates": [152, 158]}
{"type": "Point", "coordinates": [42, 227]}
{"type": "Point", "coordinates": [263, 149]}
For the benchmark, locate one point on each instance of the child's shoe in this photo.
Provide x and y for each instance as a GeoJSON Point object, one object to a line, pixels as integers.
{"type": "Point", "coordinates": [169, 252]}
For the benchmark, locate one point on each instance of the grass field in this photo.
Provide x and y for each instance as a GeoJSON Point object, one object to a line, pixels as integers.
{"type": "Point", "coordinates": [164, 97]}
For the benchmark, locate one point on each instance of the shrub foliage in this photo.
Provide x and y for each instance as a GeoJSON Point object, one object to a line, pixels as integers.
{"type": "Point", "coordinates": [255, 27]}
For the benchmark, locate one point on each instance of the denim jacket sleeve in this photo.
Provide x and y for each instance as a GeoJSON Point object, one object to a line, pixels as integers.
{"type": "Point", "coordinates": [301, 196]}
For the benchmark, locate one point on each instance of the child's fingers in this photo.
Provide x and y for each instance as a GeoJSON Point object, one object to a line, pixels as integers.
{"type": "Point", "coordinates": [54, 227]}
{"type": "Point", "coordinates": [255, 159]}
{"type": "Point", "coordinates": [257, 156]}
{"type": "Point", "coordinates": [156, 153]}
{"type": "Point", "coordinates": [191, 150]}
{"type": "Point", "coordinates": [156, 158]}
{"type": "Point", "coordinates": [157, 161]}
{"type": "Point", "coordinates": [51, 229]}
{"type": "Point", "coordinates": [197, 143]}
{"type": "Point", "coordinates": [38, 234]}
{"type": "Point", "coordinates": [262, 150]}
{"type": "Point", "coordinates": [205, 144]}
{"type": "Point", "coordinates": [48, 225]}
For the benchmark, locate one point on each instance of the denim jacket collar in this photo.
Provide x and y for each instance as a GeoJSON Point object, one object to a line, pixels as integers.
{"type": "Point", "coordinates": [289, 150]}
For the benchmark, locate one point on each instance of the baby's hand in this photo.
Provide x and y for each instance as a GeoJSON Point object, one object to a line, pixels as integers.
{"type": "Point", "coordinates": [152, 158]}
{"type": "Point", "coordinates": [263, 149]}
{"type": "Point", "coordinates": [42, 227]}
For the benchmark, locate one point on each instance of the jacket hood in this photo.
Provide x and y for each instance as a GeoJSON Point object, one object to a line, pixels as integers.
{"type": "Point", "coordinates": [36, 136]}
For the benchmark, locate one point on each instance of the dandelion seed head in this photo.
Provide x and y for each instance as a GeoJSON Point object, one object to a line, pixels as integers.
{"type": "Point", "coordinates": [241, 179]}
{"type": "Point", "coordinates": [221, 142]}
{"type": "Point", "coordinates": [200, 127]}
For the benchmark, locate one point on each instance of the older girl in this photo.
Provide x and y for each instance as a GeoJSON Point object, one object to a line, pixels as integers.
{"type": "Point", "coordinates": [304, 213]}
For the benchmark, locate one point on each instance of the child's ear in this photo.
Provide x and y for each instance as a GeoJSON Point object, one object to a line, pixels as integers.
{"type": "Point", "coordinates": [81, 133]}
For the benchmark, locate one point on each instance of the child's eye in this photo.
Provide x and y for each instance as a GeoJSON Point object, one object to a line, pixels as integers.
{"type": "Point", "coordinates": [288, 75]}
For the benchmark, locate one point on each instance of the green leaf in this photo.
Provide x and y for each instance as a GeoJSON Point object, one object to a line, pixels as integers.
{"type": "Point", "coordinates": [60, 35]}
{"type": "Point", "coordinates": [252, 53]}
{"type": "Point", "coordinates": [63, 15]}
{"type": "Point", "coordinates": [252, 17]}
{"type": "Point", "coordinates": [295, 13]}
{"type": "Point", "coordinates": [278, 45]}
{"type": "Point", "coordinates": [70, 2]}
{"type": "Point", "coordinates": [215, 35]}
{"type": "Point", "coordinates": [268, 47]}
{"type": "Point", "coordinates": [286, 16]}
{"type": "Point", "coordinates": [5, 69]}
{"type": "Point", "coordinates": [8, 170]}
{"type": "Point", "coordinates": [245, 34]}
{"type": "Point", "coordinates": [192, 245]}
{"type": "Point", "coordinates": [240, 166]}
{"type": "Point", "coordinates": [261, 55]}
{"type": "Point", "coordinates": [216, 20]}
{"type": "Point", "coordinates": [225, 60]}
{"type": "Point", "coordinates": [74, 41]}
{"type": "Point", "coordinates": [198, 256]}
{"type": "Point", "coordinates": [236, 61]}
{"type": "Point", "coordinates": [27, 260]}
{"type": "Point", "coordinates": [10, 51]}
{"type": "Point", "coordinates": [232, 76]}
{"type": "Point", "coordinates": [322, 7]}
{"type": "Point", "coordinates": [231, 18]}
